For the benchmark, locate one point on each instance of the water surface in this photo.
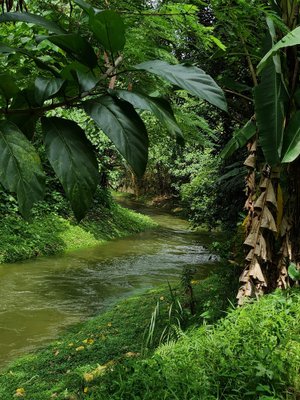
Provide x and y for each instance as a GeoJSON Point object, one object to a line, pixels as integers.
{"type": "Point", "coordinates": [41, 297]}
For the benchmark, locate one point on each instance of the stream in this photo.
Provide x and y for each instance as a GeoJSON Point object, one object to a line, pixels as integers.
{"type": "Point", "coordinates": [42, 297]}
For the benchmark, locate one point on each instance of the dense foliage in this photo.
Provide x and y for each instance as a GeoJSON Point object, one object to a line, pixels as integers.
{"type": "Point", "coordinates": [49, 233]}
{"type": "Point", "coordinates": [80, 67]}
{"type": "Point", "coordinates": [250, 354]}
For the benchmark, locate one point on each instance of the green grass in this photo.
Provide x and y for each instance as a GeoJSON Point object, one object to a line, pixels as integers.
{"type": "Point", "coordinates": [51, 234]}
{"type": "Point", "coordinates": [252, 353]}
{"type": "Point", "coordinates": [59, 369]}
{"type": "Point", "coordinates": [74, 364]}
{"type": "Point", "coordinates": [243, 354]}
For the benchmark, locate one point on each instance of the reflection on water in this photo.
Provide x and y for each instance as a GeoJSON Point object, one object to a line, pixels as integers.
{"type": "Point", "coordinates": [40, 297]}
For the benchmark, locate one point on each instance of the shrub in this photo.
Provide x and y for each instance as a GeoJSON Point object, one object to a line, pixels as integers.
{"type": "Point", "coordinates": [253, 353]}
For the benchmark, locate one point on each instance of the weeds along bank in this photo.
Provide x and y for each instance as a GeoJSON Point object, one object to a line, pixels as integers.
{"type": "Point", "coordinates": [73, 367]}
{"type": "Point", "coordinates": [53, 231]}
{"type": "Point", "coordinates": [247, 353]}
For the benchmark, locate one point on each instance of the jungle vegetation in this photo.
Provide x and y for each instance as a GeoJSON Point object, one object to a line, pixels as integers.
{"type": "Point", "coordinates": [122, 65]}
{"type": "Point", "coordinates": [197, 102]}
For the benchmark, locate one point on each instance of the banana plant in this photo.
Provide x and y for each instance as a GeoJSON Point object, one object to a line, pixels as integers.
{"type": "Point", "coordinates": [84, 72]}
{"type": "Point", "coordinates": [272, 184]}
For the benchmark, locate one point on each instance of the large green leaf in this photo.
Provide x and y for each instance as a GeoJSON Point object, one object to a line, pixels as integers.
{"type": "Point", "coordinates": [31, 18]}
{"type": "Point", "coordinates": [109, 29]}
{"type": "Point", "coordinates": [4, 49]}
{"type": "Point", "coordinates": [26, 120]}
{"type": "Point", "coordinates": [120, 122]}
{"type": "Point", "coordinates": [74, 45]}
{"type": "Point", "coordinates": [270, 103]}
{"type": "Point", "coordinates": [46, 88]}
{"type": "Point", "coordinates": [81, 74]}
{"type": "Point", "coordinates": [86, 80]}
{"type": "Point", "coordinates": [159, 107]}
{"type": "Point", "coordinates": [73, 160]}
{"type": "Point", "coordinates": [291, 39]}
{"type": "Point", "coordinates": [291, 143]}
{"type": "Point", "coordinates": [239, 139]}
{"type": "Point", "coordinates": [8, 86]}
{"type": "Point", "coordinates": [188, 77]}
{"type": "Point", "coordinates": [294, 272]}
{"type": "Point", "coordinates": [20, 167]}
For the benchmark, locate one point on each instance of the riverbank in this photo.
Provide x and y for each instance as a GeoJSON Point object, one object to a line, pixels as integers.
{"type": "Point", "coordinates": [71, 367]}
{"type": "Point", "coordinates": [220, 353]}
{"type": "Point", "coordinates": [50, 234]}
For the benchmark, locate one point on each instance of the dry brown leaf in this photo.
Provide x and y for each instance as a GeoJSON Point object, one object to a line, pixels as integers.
{"type": "Point", "coordinates": [289, 247]}
{"type": "Point", "coordinates": [267, 220]}
{"type": "Point", "coordinates": [261, 249]}
{"type": "Point", "coordinates": [253, 147]}
{"type": "Point", "coordinates": [285, 226]}
{"type": "Point", "coordinates": [244, 276]}
{"type": "Point", "coordinates": [250, 161]}
{"type": "Point", "coordinates": [259, 290]}
{"type": "Point", "coordinates": [279, 207]}
{"type": "Point", "coordinates": [264, 183]}
{"type": "Point", "coordinates": [250, 255]}
{"type": "Point", "coordinates": [282, 281]}
{"type": "Point", "coordinates": [249, 204]}
{"type": "Point", "coordinates": [250, 180]}
{"type": "Point", "coordinates": [256, 272]}
{"type": "Point", "coordinates": [271, 197]}
{"type": "Point", "coordinates": [260, 202]}
{"type": "Point", "coordinates": [251, 239]}
{"type": "Point", "coordinates": [247, 290]}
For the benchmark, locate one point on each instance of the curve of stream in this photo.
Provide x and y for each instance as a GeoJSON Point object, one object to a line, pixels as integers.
{"type": "Point", "coordinates": [41, 297]}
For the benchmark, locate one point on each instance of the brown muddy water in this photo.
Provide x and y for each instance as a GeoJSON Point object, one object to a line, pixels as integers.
{"type": "Point", "coordinates": [42, 297]}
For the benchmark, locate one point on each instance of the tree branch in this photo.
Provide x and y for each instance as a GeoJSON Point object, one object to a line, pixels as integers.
{"type": "Point", "coordinates": [238, 94]}
{"type": "Point", "coordinates": [251, 68]}
{"type": "Point", "coordinates": [110, 73]}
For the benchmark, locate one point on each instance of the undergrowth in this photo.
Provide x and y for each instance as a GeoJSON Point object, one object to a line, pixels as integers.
{"type": "Point", "coordinates": [252, 353]}
{"type": "Point", "coordinates": [71, 367]}
{"type": "Point", "coordinates": [48, 233]}
{"type": "Point", "coordinates": [232, 354]}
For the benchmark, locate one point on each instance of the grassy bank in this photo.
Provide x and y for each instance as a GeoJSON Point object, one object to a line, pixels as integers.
{"type": "Point", "coordinates": [71, 367]}
{"type": "Point", "coordinates": [248, 353]}
{"type": "Point", "coordinates": [48, 234]}
{"type": "Point", "coordinates": [253, 353]}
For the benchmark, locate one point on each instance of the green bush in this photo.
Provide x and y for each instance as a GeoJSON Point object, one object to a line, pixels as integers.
{"type": "Point", "coordinates": [199, 194]}
{"type": "Point", "coordinates": [253, 353]}
{"type": "Point", "coordinates": [47, 233]}
{"type": "Point", "coordinates": [20, 239]}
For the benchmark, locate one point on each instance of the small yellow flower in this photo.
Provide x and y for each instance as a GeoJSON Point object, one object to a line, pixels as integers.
{"type": "Point", "coordinates": [88, 377]}
{"type": "Point", "coordinates": [88, 341]}
{"type": "Point", "coordinates": [80, 348]}
{"type": "Point", "coordinates": [71, 344]}
{"type": "Point", "coordinates": [131, 354]}
{"type": "Point", "coordinates": [85, 390]}
{"type": "Point", "coordinates": [100, 370]}
{"type": "Point", "coordinates": [109, 324]}
{"type": "Point", "coordinates": [194, 282]}
{"type": "Point", "coordinates": [161, 298]}
{"type": "Point", "coordinates": [20, 392]}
